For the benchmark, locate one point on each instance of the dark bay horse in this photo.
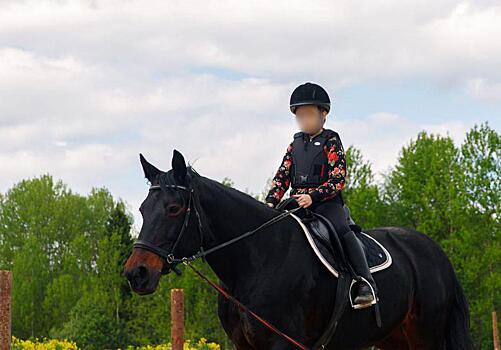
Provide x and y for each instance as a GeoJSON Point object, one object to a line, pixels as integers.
{"type": "Point", "coordinates": [276, 274]}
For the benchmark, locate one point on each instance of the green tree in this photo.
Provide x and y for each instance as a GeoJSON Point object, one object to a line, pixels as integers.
{"type": "Point", "coordinates": [361, 193]}
{"type": "Point", "coordinates": [61, 246]}
{"type": "Point", "coordinates": [90, 324]}
{"type": "Point", "coordinates": [418, 190]}
{"type": "Point", "coordinates": [475, 245]}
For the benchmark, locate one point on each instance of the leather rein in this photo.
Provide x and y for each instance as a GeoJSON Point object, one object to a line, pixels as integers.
{"type": "Point", "coordinates": [195, 201]}
{"type": "Point", "coordinates": [171, 259]}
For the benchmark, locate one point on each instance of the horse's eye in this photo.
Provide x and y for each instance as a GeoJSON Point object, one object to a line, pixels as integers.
{"type": "Point", "coordinates": [173, 209]}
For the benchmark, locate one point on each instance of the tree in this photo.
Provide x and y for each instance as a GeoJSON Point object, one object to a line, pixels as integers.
{"type": "Point", "coordinates": [418, 189]}
{"type": "Point", "coordinates": [361, 194]}
{"type": "Point", "coordinates": [475, 245]}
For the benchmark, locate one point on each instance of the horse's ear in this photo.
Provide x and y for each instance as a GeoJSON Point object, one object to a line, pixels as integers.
{"type": "Point", "coordinates": [179, 167]}
{"type": "Point", "coordinates": [150, 171]}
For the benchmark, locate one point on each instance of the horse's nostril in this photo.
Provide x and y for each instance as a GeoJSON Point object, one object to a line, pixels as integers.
{"type": "Point", "coordinates": [140, 271]}
{"type": "Point", "coordinates": [138, 276]}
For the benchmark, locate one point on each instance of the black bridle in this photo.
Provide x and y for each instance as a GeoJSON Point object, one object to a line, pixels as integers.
{"type": "Point", "coordinates": [194, 198]}
{"type": "Point", "coordinates": [169, 256]}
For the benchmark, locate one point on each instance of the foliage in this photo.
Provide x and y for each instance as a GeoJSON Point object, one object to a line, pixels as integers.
{"type": "Point", "coordinates": [54, 344]}
{"type": "Point", "coordinates": [44, 344]}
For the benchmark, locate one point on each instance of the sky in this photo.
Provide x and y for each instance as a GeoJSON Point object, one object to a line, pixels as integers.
{"type": "Point", "coordinates": [85, 86]}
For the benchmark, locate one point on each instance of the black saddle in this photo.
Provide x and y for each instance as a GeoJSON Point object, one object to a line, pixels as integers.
{"type": "Point", "coordinates": [328, 242]}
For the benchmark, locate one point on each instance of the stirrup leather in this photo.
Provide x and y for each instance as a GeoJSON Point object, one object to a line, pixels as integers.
{"type": "Point", "coordinates": [362, 306]}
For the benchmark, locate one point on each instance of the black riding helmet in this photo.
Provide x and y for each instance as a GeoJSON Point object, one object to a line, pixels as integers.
{"type": "Point", "coordinates": [309, 94]}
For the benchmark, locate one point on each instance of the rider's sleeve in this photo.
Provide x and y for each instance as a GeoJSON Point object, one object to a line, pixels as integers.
{"type": "Point", "coordinates": [337, 171]}
{"type": "Point", "coordinates": [281, 180]}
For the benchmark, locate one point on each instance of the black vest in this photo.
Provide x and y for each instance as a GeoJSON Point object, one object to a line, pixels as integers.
{"type": "Point", "coordinates": [309, 161]}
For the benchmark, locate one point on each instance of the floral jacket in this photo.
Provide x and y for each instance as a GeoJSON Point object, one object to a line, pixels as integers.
{"type": "Point", "coordinates": [330, 188]}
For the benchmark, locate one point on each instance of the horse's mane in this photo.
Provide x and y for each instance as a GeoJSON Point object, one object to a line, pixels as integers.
{"type": "Point", "coordinates": [232, 192]}
{"type": "Point", "coordinates": [167, 178]}
{"type": "Point", "coordinates": [218, 190]}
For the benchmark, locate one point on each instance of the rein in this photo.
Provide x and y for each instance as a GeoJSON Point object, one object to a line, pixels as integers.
{"type": "Point", "coordinates": [169, 256]}
{"type": "Point", "coordinates": [171, 259]}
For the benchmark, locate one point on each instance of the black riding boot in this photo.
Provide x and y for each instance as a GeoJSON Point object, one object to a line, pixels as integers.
{"type": "Point", "coordinates": [358, 261]}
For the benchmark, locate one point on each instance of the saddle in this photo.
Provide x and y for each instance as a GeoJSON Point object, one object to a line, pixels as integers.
{"type": "Point", "coordinates": [326, 243]}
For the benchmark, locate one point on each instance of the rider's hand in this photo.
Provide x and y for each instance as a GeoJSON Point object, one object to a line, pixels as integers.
{"type": "Point", "coordinates": [270, 204]}
{"type": "Point", "coordinates": [304, 200]}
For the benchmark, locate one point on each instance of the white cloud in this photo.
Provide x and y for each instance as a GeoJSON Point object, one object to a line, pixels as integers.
{"type": "Point", "coordinates": [341, 41]}
{"type": "Point", "coordinates": [87, 85]}
{"type": "Point", "coordinates": [484, 89]}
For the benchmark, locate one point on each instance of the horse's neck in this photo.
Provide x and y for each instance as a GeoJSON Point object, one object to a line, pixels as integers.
{"type": "Point", "coordinates": [230, 215]}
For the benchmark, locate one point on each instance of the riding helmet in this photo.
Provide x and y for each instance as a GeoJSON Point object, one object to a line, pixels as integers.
{"type": "Point", "coordinates": [308, 94]}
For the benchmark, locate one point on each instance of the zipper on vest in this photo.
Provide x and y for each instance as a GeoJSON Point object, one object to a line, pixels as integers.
{"type": "Point", "coordinates": [320, 133]}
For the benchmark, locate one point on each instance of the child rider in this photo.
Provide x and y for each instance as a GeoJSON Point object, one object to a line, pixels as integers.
{"type": "Point", "coordinates": [315, 167]}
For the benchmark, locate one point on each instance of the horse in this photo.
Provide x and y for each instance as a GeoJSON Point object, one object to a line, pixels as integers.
{"type": "Point", "coordinates": [275, 273]}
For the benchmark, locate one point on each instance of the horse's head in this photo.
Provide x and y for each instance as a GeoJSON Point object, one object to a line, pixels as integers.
{"type": "Point", "coordinates": [166, 219]}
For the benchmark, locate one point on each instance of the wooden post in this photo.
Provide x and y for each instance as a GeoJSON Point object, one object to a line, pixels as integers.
{"type": "Point", "coordinates": [495, 335]}
{"type": "Point", "coordinates": [177, 318]}
{"type": "Point", "coordinates": [5, 309]}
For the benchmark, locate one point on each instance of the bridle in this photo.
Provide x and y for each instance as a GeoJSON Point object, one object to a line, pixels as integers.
{"type": "Point", "coordinates": [169, 256]}
{"type": "Point", "coordinates": [201, 253]}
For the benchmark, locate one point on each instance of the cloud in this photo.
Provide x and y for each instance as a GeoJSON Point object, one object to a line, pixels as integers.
{"type": "Point", "coordinates": [342, 42]}
{"type": "Point", "coordinates": [484, 89]}
{"type": "Point", "coordinates": [87, 85]}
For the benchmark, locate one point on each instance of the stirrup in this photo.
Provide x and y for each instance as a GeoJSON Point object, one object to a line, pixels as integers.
{"type": "Point", "coordinates": [362, 306]}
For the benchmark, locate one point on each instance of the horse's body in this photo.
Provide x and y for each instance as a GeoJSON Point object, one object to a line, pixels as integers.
{"type": "Point", "coordinates": [276, 274]}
